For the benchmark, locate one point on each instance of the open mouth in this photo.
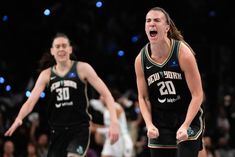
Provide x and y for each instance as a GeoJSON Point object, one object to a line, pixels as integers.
{"type": "Point", "coordinates": [61, 53]}
{"type": "Point", "coordinates": [153, 33]}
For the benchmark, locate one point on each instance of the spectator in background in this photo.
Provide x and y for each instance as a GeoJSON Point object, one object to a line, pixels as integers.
{"type": "Point", "coordinates": [42, 145]}
{"type": "Point", "coordinates": [32, 150]}
{"type": "Point", "coordinates": [40, 140]}
{"type": "Point", "coordinates": [229, 107]}
{"type": "Point", "coordinates": [134, 118]}
{"type": "Point", "coordinates": [124, 146]}
{"type": "Point", "coordinates": [8, 149]}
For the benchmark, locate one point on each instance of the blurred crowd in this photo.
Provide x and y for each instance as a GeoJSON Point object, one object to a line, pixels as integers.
{"type": "Point", "coordinates": [31, 139]}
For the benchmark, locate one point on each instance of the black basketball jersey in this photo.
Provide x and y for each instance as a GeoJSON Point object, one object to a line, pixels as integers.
{"type": "Point", "coordinates": [67, 99]}
{"type": "Point", "coordinates": [166, 82]}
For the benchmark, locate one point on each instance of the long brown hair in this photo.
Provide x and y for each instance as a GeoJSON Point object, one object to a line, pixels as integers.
{"type": "Point", "coordinates": [173, 32]}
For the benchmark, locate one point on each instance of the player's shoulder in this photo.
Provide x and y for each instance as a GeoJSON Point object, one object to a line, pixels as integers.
{"type": "Point", "coordinates": [46, 72]}
{"type": "Point", "coordinates": [44, 75]}
{"type": "Point", "coordinates": [83, 64]}
{"type": "Point", "coordinates": [84, 67]}
{"type": "Point", "coordinates": [185, 51]}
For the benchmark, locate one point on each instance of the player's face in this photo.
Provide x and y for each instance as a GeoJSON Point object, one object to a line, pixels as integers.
{"type": "Point", "coordinates": [61, 49]}
{"type": "Point", "coordinates": [156, 26]}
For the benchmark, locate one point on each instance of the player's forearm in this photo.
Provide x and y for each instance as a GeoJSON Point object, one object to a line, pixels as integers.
{"type": "Point", "coordinates": [25, 110]}
{"type": "Point", "coordinates": [193, 109]}
{"type": "Point", "coordinates": [112, 110]}
{"type": "Point", "coordinates": [145, 110]}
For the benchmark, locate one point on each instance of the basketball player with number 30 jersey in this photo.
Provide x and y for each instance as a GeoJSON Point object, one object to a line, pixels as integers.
{"type": "Point", "coordinates": [66, 83]}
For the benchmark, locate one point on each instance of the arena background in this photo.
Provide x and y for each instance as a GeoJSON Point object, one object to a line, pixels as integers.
{"type": "Point", "coordinates": [109, 38]}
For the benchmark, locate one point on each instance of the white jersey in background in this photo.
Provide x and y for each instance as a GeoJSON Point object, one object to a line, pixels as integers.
{"type": "Point", "coordinates": [124, 146]}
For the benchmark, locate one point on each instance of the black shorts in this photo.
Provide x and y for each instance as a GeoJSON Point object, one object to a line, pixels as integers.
{"type": "Point", "coordinates": [73, 139]}
{"type": "Point", "coordinates": [169, 122]}
{"type": "Point", "coordinates": [188, 148]}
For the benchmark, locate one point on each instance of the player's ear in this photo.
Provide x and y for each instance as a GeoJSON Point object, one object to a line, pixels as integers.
{"type": "Point", "coordinates": [167, 28]}
{"type": "Point", "coordinates": [70, 49]}
{"type": "Point", "coordinates": [51, 51]}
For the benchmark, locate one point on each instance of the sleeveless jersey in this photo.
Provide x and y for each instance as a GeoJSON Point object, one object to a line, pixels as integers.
{"type": "Point", "coordinates": [67, 99]}
{"type": "Point", "coordinates": [166, 82]}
